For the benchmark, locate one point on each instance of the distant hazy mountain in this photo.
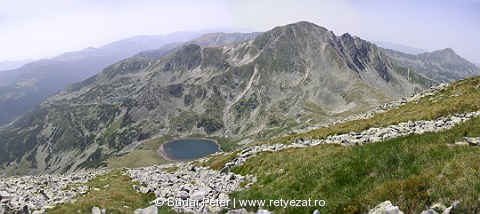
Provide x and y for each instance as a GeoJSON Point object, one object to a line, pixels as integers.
{"type": "Point", "coordinates": [443, 66]}
{"type": "Point", "coordinates": [289, 76]}
{"type": "Point", "coordinates": [23, 88]}
{"type": "Point", "coordinates": [398, 47]}
{"type": "Point", "coordinates": [9, 65]}
{"type": "Point", "coordinates": [207, 40]}
{"type": "Point", "coordinates": [477, 64]}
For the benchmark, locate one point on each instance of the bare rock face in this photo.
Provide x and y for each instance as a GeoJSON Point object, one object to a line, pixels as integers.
{"type": "Point", "coordinates": [295, 74]}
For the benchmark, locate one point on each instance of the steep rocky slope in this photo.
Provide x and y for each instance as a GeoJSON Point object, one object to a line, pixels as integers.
{"type": "Point", "coordinates": [443, 66]}
{"type": "Point", "coordinates": [289, 76]}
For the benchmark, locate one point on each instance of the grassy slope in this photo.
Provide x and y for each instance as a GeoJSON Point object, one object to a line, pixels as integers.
{"type": "Point", "coordinates": [146, 155]}
{"type": "Point", "coordinates": [412, 171]}
{"type": "Point", "coordinates": [117, 197]}
{"type": "Point", "coordinates": [113, 192]}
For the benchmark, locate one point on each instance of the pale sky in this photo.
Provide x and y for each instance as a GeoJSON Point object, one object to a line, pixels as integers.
{"type": "Point", "coordinates": [46, 28]}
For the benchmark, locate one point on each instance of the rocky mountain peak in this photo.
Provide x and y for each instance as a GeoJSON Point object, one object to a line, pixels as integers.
{"type": "Point", "coordinates": [292, 33]}
{"type": "Point", "coordinates": [446, 55]}
{"type": "Point", "coordinates": [447, 50]}
{"type": "Point", "coordinates": [443, 65]}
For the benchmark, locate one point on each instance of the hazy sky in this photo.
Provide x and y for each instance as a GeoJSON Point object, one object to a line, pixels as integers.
{"type": "Point", "coordinates": [45, 28]}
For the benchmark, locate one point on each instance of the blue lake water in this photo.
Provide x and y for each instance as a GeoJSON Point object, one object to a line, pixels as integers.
{"type": "Point", "coordinates": [189, 149]}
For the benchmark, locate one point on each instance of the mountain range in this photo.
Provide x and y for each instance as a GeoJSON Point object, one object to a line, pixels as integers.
{"type": "Point", "coordinates": [290, 76]}
{"type": "Point", "coordinates": [23, 88]}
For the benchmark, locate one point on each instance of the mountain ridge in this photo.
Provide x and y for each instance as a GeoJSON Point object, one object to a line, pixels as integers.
{"type": "Point", "coordinates": [206, 40]}
{"type": "Point", "coordinates": [442, 65]}
{"type": "Point", "coordinates": [12, 64]}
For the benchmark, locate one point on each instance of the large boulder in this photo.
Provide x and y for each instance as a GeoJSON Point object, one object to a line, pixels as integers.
{"type": "Point", "coordinates": [385, 207]}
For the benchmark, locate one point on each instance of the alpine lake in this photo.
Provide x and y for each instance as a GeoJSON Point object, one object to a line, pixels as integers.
{"type": "Point", "coordinates": [189, 149]}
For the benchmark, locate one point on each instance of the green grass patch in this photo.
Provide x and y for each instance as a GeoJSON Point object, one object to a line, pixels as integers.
{"type": "Point", "coordinates": [171, 169]}
{"type": "Point", "coordinates": [144, 155]}
{"type": "Point", "coordinates": [413, 172]}
{"type": "Point", "coordinates": [113, 192]}
{"type": "Point", "coordinates": [136, 158]}
{"type": "Point", "coordinates": [219, 161]}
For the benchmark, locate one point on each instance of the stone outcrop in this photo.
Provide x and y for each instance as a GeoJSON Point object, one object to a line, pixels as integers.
{"type": "Point", "coordinates": [393, 131]}
{"type": "Point", "coordinates": [149, 210]}
{"type": "Point", "coordinates": [385, 207]}
{"type": "Point", "coordinates": [438, 208]}
{"type": "Point", "coordinates": [30, 193]}
{"type": "Point", "coordinates": [184, 184]}
{"type": "Point", "coordinates": [472, 141]}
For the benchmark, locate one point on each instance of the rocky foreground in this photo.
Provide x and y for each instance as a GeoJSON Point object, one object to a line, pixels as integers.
{"type": "Point", "coordinates": [28, 193]}
{"type": "Point", "coordinates": [185, 184]}
{"type": "Point", "coordinates": [182, 183]}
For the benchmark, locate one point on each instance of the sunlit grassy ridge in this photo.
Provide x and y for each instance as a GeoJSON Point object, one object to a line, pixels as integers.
{"type": "Point", "coordinates": [412, 171]}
